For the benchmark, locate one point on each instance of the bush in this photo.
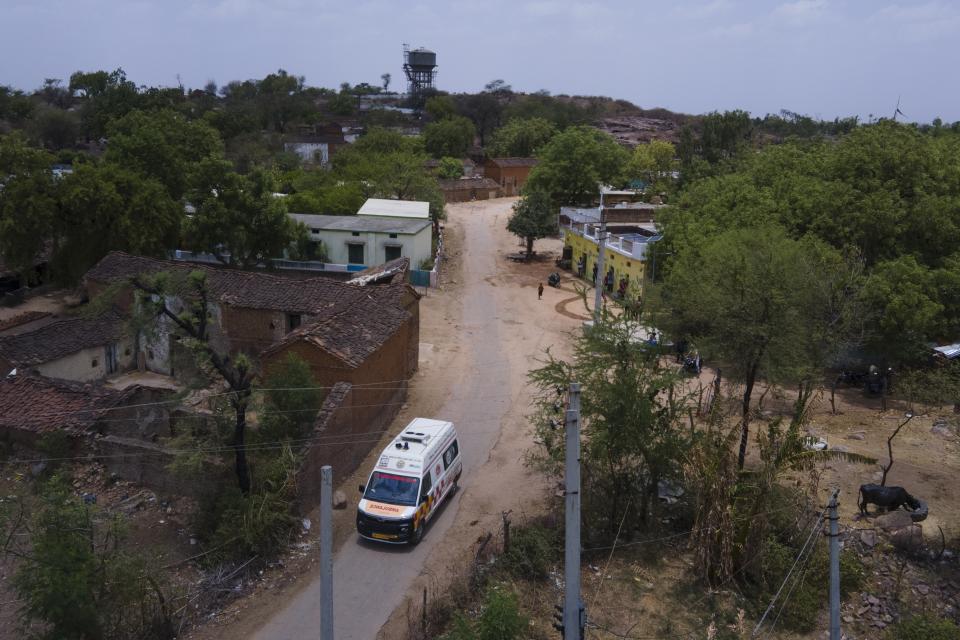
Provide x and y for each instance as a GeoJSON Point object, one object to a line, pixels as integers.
{"type": "Point", "coordinates": [924, 628]}
{"type": "Point", "coordinates": [500, 619]}
{"type": "Point", "coordinates": [810, 584]}
{"type": "Point", "coordinates": [533, 548]}
{"type": "Point", "coordinates": [238, 527]}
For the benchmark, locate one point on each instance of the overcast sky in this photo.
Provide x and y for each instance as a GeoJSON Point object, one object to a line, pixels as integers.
{"type": "Point", "coordinates": [820, 57]}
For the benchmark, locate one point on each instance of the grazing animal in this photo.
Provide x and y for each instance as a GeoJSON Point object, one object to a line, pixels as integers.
{"type": "Point", "coordinates": [889, 498]}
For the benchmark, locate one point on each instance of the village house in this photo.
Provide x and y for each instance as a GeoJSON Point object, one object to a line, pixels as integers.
{"type": "Point", "coordinates": [510, 173]}
{"type": "Point", "coordinates": [369, 240]}
{"type": "Point", "coordinates": [466, 189]}
{"type": "Point", "coordinates": [627, 249]}
{"type": "Point", "coordinates": [316, 145]}
{"type": "Point", "coordinates": [250, 311]}
{"type": "Point", "coordinates": [78, 348]}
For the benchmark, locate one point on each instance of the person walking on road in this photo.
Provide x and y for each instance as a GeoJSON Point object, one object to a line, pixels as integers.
{"type": "Point", "coordinates": [540, 292]}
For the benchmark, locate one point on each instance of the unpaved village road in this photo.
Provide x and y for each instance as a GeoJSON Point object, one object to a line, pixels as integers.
{"type": "Point", "coordinates": [478, 355]}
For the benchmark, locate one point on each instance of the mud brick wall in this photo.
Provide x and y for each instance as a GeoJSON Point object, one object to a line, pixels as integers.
{"type": "Point", "coordinates": [345, 431]}
{"type": "Point", "coordinates": [147, 464]}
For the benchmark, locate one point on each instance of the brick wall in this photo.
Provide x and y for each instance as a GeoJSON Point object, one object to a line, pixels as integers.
{"type": "Point", "coordinates": [343, 438]}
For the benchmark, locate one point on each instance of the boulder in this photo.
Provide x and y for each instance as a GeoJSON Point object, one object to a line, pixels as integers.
{"type": "Point", "coordinates": [893, 520]}
{"type": "Point", "coordinates": [339, 500]}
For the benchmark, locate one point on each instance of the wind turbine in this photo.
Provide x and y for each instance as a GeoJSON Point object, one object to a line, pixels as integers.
{"type": "Point", "coordinates": [896, 110]}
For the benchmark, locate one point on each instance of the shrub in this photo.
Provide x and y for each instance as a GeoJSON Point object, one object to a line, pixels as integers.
{"type": "Point", "coordinates": [500, 619]}
{"type": "Point", "coordinates": [924, 628]}
{"type": "Point", "coordinates": [809, 582]}
{"type": "Point", "coordinates": [533, 548]}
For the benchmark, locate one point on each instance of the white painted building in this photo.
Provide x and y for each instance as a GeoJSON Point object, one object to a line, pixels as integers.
{"type": "Point", "coordinates": [371, 240]}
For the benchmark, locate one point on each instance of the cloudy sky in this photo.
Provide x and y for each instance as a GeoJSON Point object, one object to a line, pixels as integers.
{"type": "Point", "coordinates": [820, 57]}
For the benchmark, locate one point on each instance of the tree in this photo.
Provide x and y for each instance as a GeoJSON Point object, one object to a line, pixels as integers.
{"type": "Point", "coordinates": [747, 298]}
{"type": "Point", "coordinates": [28, 203]}
{"type": "Point", "coordinates": [521, 137]}
{"type": "Point", "coordinates": [440, 107]}
{"type": "Point", "coordinates": [652, 160]}
{"type": "Point", "coordinates": [533, 217]}
{"type": "Point", "coordinates": [575, 163]}
{"type": "Point", "coordinates": [450, 168]}
{"type": "Point", "coordinates": [386, 77]}
{"type": "Point", "coordinates": [55, 128]}
{"type": "Point", "coordinates": [105, 208]}
{"type": "Point", "coordinates": [449, 137]}
{"type": "Point", "coordinates": [291, 401]}
{"type": "Point", "coordinates": [105, 97]}
{"type": "Point", "coordinates": [237, 218]}
{"type": "Point", "coordinates": [163, 145]}
{"type": "Point", "coordinates": [631, 409]}
{"type": "Point", "coordinates": [192, 323]}
{"type": "Point", "coordinates": [484, 110]}
{"type": "Point", "coordinates": [76, 580]}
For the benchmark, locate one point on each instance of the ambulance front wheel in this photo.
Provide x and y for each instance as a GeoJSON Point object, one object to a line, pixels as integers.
{"type": "Point", "coordinates": [417, 535]}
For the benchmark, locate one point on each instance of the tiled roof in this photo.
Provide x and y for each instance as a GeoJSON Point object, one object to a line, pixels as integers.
{"type": "Point", "coordinates": [394, 271]}
{"type": "Point", "coordinates": [42, 405]}
{"type": "Point", "coordinates": [62, 338]}
{"type": "Point", "coordinates": [357, 331]}
{"type": "Point", "coordinates": [249, 289]}
{"type": "Point", "coordinates": [21, 319]}
{"type": "Point", "coordinates": [514, 162]}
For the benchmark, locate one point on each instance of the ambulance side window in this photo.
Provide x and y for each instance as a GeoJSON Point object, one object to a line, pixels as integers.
{"type": "Point", "coordinates": [425, 486]}
{"type": "Point", "coordinates": [450, 455]}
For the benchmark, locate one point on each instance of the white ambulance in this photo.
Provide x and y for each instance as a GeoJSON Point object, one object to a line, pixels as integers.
{"type": "Point", "coordinates": [414, 474]}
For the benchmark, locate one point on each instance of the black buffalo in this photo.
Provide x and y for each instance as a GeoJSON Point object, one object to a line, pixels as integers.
{"type": "Point", "coordinates": [889, 498]}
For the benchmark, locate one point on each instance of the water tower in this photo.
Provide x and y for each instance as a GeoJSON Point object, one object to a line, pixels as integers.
{"type": "Point", "coordinates": [420, 66]}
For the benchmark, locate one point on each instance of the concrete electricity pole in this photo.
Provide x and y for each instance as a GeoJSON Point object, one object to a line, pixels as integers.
{"type": "Point", "coordinates": [326, 552]}
{"type": "Point", "coordinates": [573, 615]}
{"type": "Point", "coordinates": [834, 536]}
{"type": "Point", "coordinates": [598, 281]}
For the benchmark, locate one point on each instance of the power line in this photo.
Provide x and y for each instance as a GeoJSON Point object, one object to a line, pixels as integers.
{"type": "Point", "coordinates": [816, 526]}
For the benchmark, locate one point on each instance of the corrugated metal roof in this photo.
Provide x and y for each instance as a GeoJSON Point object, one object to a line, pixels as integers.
{"type": "Point", "coordinates": [949, 351]}
{"type": "Point", "coordinates": [395, 208]}
{"type": "Point", "coordinates": [366, 224]}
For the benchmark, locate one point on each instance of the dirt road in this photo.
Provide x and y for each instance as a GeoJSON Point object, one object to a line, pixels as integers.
{"type": "Point", "coordinates": [480, 336]}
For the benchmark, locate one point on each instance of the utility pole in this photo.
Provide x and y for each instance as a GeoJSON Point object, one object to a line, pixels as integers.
{"type": "Point", "coordinates": [598, 281]}
{"type": "Point", "coordinates": [834, 568]}
{"type": "Point", "coordinates": [573, 616]}
{"type": "Point", "coordinates": [326, 552]}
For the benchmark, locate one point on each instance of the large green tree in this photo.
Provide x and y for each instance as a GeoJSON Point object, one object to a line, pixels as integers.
{"type": "Point", "coordinates": [533, 218]}
{"type": "Point", "coordinates": [449, 137]}
{"type": "Point", "coordinates": [575, 163]}
{"type": "Point", "coordinates": [238, 219]}
{"type": "Point", "coordinates": [752, 300]}
{"type": "Point", "coordinates": [163, 145]}
{"type": "Point", "coordinates": [521, 137]}
{"type": "Point", "coordinates": [28, 202]}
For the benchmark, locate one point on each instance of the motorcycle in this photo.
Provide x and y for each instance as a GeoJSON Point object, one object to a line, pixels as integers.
{"type": "Point", "coordinates": [554, 280]}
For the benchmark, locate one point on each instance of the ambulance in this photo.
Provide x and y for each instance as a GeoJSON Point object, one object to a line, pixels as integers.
{"type": "Point", "coordinates": [412, 477]}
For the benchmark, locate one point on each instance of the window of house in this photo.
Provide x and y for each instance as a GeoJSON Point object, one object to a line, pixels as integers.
{"type": "Point", "coordinates": [293, 321]}
{"type": "Point", "coordinates": [393, 235]}
{"type": "Point", "coordinates": [94, 363]}
{"type": "Point", "coordinates": [355, 254]}
{"type": "Point", "coordinates": [355, 233]}
{"type": "Point", "coordinates": [315, 231]}
{"type": "Point", "coordinates": [392, 252]}
{"type": "Point", "coordinates": [450, 455]}
{"type": "Point", "coordinates": [150, 355]}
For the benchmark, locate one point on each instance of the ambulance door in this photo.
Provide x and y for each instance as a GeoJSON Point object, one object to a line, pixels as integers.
{"type": "Point", "coordinates": [426, 496]}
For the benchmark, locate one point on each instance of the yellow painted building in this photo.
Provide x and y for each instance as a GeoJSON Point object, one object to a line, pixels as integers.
{"type": "Point", "coordinates": [624, 262]}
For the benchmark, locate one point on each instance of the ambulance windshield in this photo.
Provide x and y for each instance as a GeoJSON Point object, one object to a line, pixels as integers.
{"type": "Point", "coordinates": [387, 487]}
